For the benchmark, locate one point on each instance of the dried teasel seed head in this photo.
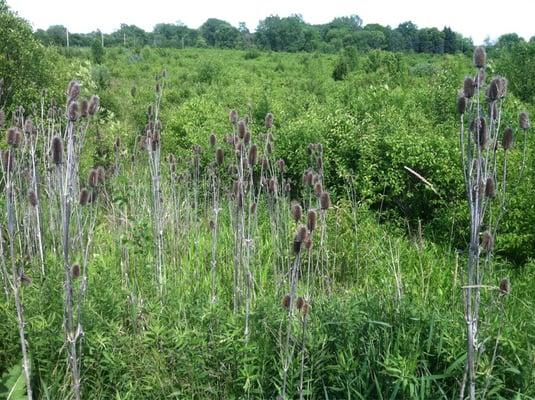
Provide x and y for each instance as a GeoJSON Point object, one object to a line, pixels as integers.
{"type": "Point", "coordinates": [461, 104]}
{"type": "Point", "coordinates": [269, 148]}
{"type": "Point", "coordinates": [480, 57]}
{"type": "Point", "coordinates": [281, 164]}
{"type": "Point", "coordinates": [25, 279]}
{"type": "Point", "coordinates": [94, 104]}
{"type": "Point", "coordinates": [2, 118]}
{"type": "Point", "coordinates": [73, 111]}
{"type": "Point", "coordinates": [73, 91]}
{"type": "Point", "coordinates": [272, 186]}
{"type": "Point", "coordinates": [32, 198]}
{"type": "Point", "coordinates": [247, 138]}
{"type": "Point", "coordinates": [57, 150]}
{"type": "Point", "coordinates": [297, 212]}
{"type": "Point", "coordinates": [318, 189]}
{"type": "Point", "coordinates": [253, 155]}
{"type": "Point", "coordinates": [504, 287]}
{"type": "Point", "coordinates": [311, 220]}
{"type": "Point", "coordinates": [299, 237]}
{"type": "Point", "coordinates": [13, 136]}
{"type": "Point", "coordinates": [219, 156]}
{"type": "Point", "coordinates": [299, 303]}
{"type": "Point", "coordinates": [233, 117]}
{"type": "Point", "coordinates": [490, 188]}
{"type": "Point", "coordinates": [75, 270]}
{"type": "Point", "coordinates": [287, 187]}
{"type": "Point", "coordinates": [84, 108]}
{"type": "Point", "coordinates": [241, 128]}
{"type": "Point", "coordinates": [469, 87]}
{"type": "Point", "coordinates": [84, 197]}
{"type": "Point", "coordinates": [487, 241]}
{"type": "Point", "coordinates": [286, 300]}
{"type": "Point", "coordinates": [325, 201]}
{"type": "Point", "coordinates": [319, 163]}
{"type": "Point", "coordinates": [93, 177]}
{"type": "Point", "coordinates": [253, 208]}
{"type": "Point", "coordinates": [213, 139]}
{"type": "Point", "coordinates": [523, 120]}
{"type": "Point", "coordinates": [479, 128]}
{"type": "Point", "coordinates": [508, 138]}
{"type": "Point", "coordinates": [29, 128]}
{"type": "Point", "coordinates": [269, 121]}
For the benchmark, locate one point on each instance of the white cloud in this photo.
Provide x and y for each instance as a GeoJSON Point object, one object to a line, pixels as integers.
{"type": "Point", "coordinates": [476, 19]}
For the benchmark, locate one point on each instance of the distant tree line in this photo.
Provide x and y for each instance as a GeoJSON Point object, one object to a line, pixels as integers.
{"type": "Point", "coordinates": [291, 34]}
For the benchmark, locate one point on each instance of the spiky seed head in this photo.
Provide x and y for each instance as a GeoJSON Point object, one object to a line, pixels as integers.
{"type": "Point", "coordinates": [305, 309]}
{"type": "Point", "coordinates": [73, 91]}
{"type": "Point", "coordinates": [219, 156]}
{"type": "Point", "coordinates": [461, 104]}
{"type": "Point", "coordinates": [253, 208]}
{"type": "Point", "coordinates": [253, 155]}
{"type": "Point", "coordinates": [213, 139]}
{"type": "Point", "coordinates": [502, 86]}
{"type": "Point", "coordinates": [319, 163]}
{"type": "Point", "coordinates": [269, 121]}
{"type": "Point", "coordinates": [84, 197]}
{"type": "Point", "coordinates": [281, 164]}
{"type": "Point", "coordinates": [300, 236]}
{"type": "Point", "coordinates": [94, 104]}
{"type": "Point", "coordinates": [490, 188]}
{"type": "Point", "coordinates": [307, 177]}
{"type": "Point", "coordinates": [299, 303]}
{"type": "Point", "coordinates": [479, 128]}
{"type": "Point", "coordinates": [32, 198]}
{"type": "Point", "coordinates": [523, 120]}
{"type": "Point", "coordinates": [480, 57]}
{"type": "Point", "coordinates": [269, 148]}
{"type": "Point", "coordinates": [75, 270]}
{"type": "Point", "coordinates": [325, 201]}
{"type": "Point", "coordinates": [57, 150]}
{"type": "Point", "coordinates": [272, 186]}
{"type": "Point", "coordinates": [469, 87]}
{"type": "Point", "coordinates": [84, 108]}
{"type": "Point", "coordinates": [29, 128]}
{"type": "Point", "coordinates": [93, 177]}
{"type": "Point", "coordinates": [318, 189]}
{"type": "Point", "coordinates": [233, 117]}
{"type": "Point", "coordinates": [508, 138]}
{"type": "Point", "coordinates": [73, 111]}
{"type": "Point", "coordinates": [265, 162]}
{"type": "Point", "coordinates": [2, 118]}
{"type": "Point", "coordinates": [286, 300]}
{"type": "Point", "coordinates": [247, 138]}
{"type": "Point", "coordinates": [13, 137]}
{"type": "Point", "coordinates": [487, 241]}
{"type": "Point", "coordinates": [297, 212]}
{"type": "Point", "coordinates": [287, 187]}
{"type": "Point", "coordinates": [25, 279]}
{"type": "Point", "coordinates": [241, 128]}
{"type": "Point", "coordinates": [311, 220]}
{"type": "Point", "coordinates": [505, 287]}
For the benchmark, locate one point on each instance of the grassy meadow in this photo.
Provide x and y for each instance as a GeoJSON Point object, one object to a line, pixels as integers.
{"type": "Point", "coordinates": [243, 226]}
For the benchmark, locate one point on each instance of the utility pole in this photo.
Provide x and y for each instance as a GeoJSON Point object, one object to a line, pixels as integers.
{"type": "Point", "coordinates": [124, 39]}
{"type": "Point", "coordinates": [102, 38]}
{"type": "Point", "coordinates": [67, 34]}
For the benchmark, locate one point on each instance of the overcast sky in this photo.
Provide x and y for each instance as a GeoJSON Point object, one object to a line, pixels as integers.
{"type": "Point", "coordinates": [477, 19]}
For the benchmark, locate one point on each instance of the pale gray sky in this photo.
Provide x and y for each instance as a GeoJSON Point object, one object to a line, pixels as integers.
{"type": "Point", "coordinates": [477, 19]}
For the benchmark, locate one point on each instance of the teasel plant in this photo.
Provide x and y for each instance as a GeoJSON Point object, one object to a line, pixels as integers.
{"type": "Point", "coordinates": [485, 148]}
{"type": "Point", "coordinates": [290, 303]}
{"type": "Point", "coordinates": [153, 147]}
{"type": "Point", "coordinates": [17, 276]}
{"type": "Point", "coordinates": [67, 160]}
{"type": "Point", "coordinates": [215, 178]}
